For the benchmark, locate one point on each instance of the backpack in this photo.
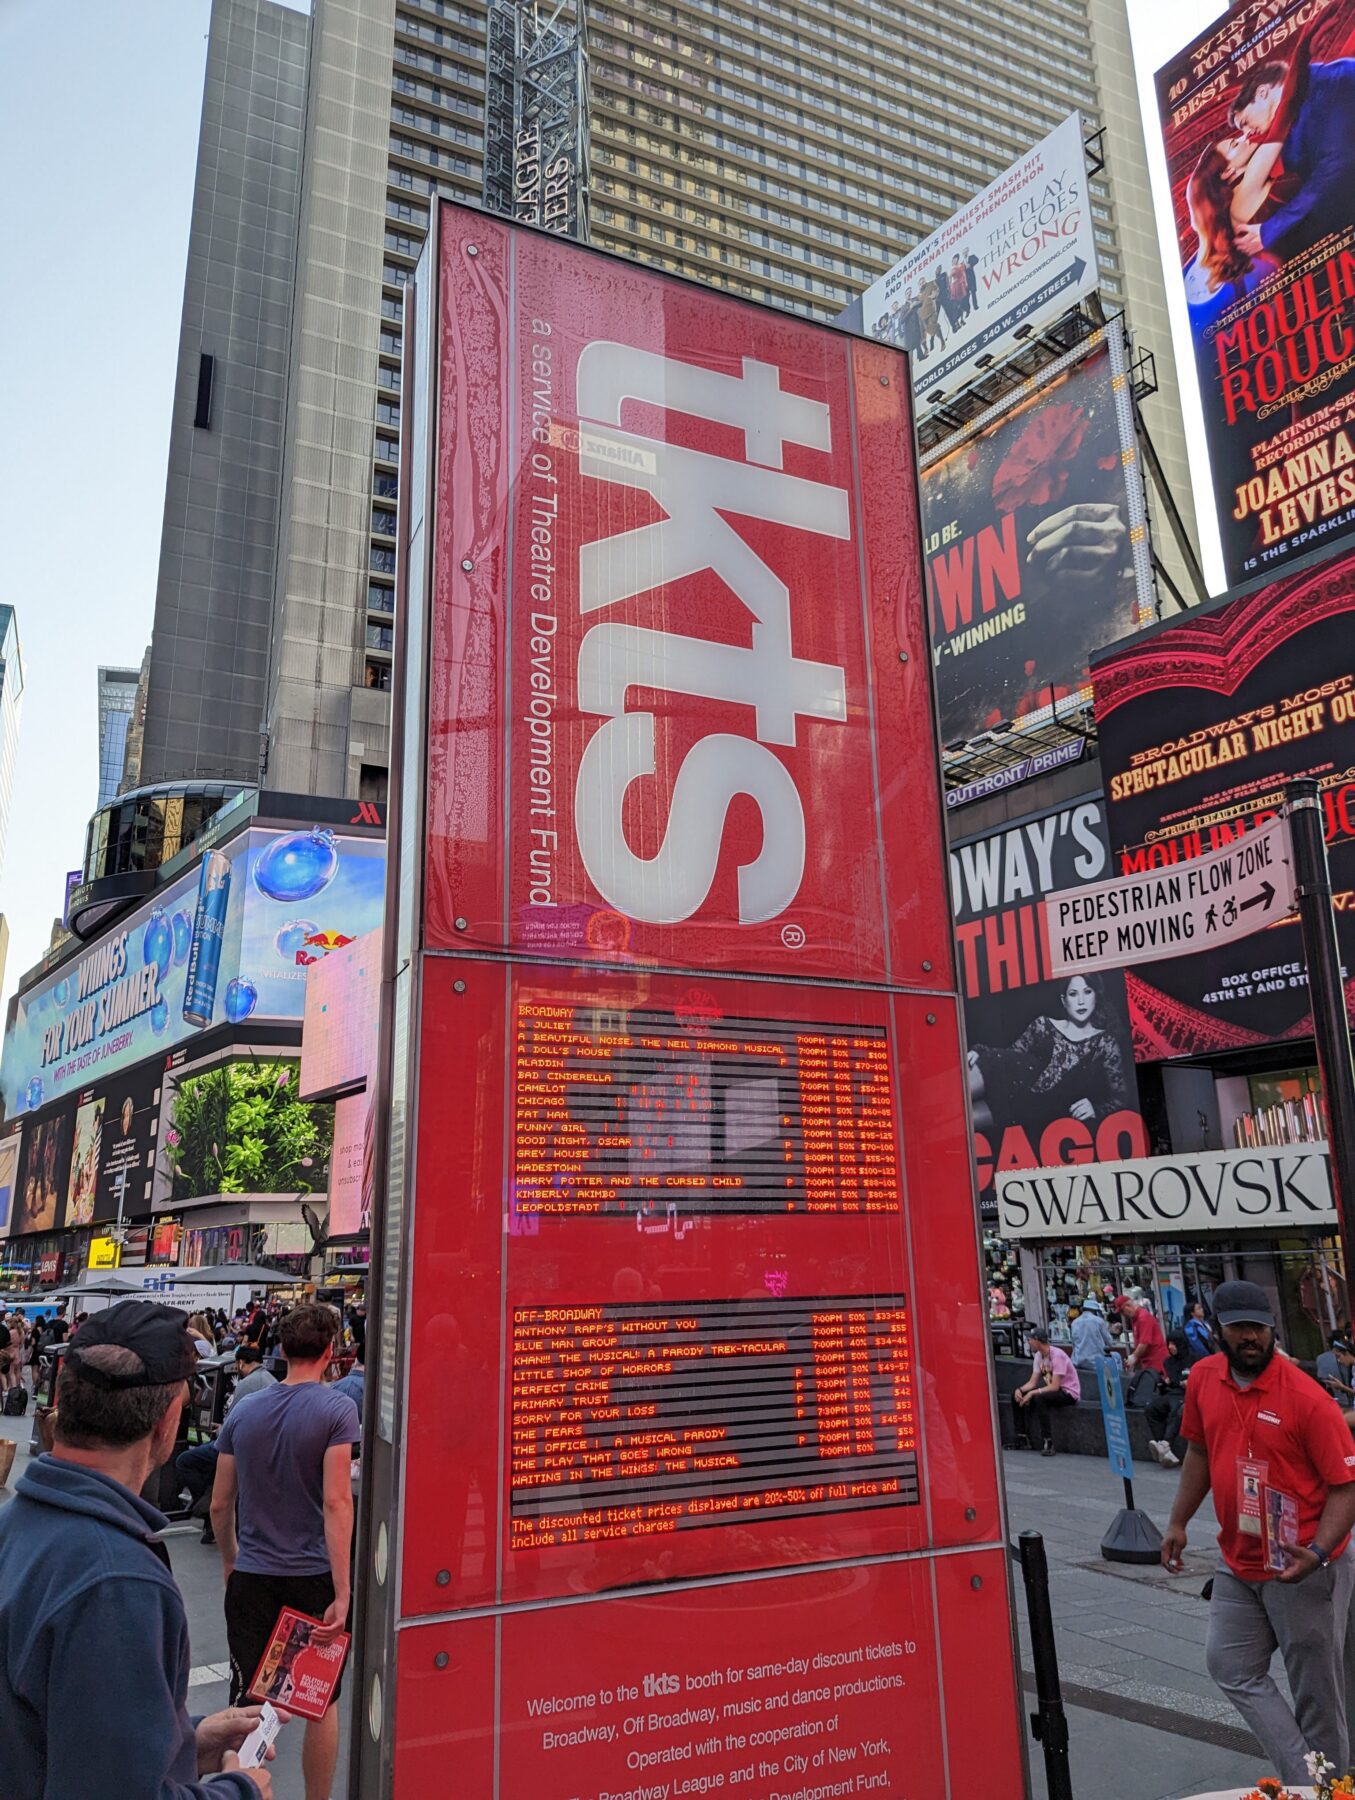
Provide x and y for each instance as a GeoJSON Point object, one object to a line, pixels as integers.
{"type": "Point", "coordinates": [16, 1403]}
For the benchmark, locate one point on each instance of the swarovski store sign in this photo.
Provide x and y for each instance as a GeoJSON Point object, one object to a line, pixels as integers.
{"type": "Point", "coordinates": [1283, 1188]}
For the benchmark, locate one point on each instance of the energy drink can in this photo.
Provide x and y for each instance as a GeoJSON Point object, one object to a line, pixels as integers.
{"type": "Point", "coordinates": [209, 927]}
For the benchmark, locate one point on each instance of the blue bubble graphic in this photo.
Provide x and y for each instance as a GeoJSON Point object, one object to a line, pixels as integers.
{"type": "Point", "coordinates": [183, 936]}
{"type": "Point", "coordinates": [298, 866]}
{"type": "Point", "coordinates": [292, 937]}
{"type": "Point", "coordinates": [61, 993]}
{"type": "Point", "coordinates": [157, 946]}
{"type": "Point", "coordinates": [241, 998]}
{"type": "Point", "coordinates": [159, 1017]}
{"type": "Point", "coordinates": [33, 1093]}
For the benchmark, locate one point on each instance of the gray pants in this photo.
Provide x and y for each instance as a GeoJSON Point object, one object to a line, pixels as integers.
{"type": "Point", "coordinates": [1306, 1622]}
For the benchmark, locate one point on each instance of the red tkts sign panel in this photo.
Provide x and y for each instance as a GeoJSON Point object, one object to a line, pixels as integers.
{"type": "Point", "coordinates": [679, 700]}
{"type": "Point", "coordinates": [685, 1478]}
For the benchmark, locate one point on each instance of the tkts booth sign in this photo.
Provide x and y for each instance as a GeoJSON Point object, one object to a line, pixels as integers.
{"type": "Point", "coordinates": [670, 1256]}
{"type": "Point", "coordinates": [1201, 726]}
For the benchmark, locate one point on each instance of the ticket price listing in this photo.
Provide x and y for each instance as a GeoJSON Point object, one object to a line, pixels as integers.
{"type": "Point", "coordinates": [622, 1111]}
{"type": "Point", "coordinates": [631, 1420]}
{"type": "Point", "coordinates": [800, 1728]}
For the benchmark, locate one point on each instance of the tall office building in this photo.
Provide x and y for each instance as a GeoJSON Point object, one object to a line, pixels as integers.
{"type": "Point", "coordinates": [117, 702]}
{"type": "Point", "coordinates": [11, 706]}
{"type": "Point", "coordinates": [788, 150]}
{"type": "Point", "coordinates": [208, 673]}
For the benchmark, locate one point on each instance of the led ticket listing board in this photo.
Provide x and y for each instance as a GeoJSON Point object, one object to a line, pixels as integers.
{"type": "Point", "coordinates": [684, 1476]}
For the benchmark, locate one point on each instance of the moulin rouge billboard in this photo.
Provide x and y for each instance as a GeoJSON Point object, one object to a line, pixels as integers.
{"type": "Point", "coordinates": [1256, 119]}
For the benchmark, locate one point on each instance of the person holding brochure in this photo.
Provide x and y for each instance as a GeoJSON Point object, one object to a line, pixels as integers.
{"type": "Point", "coordinates": [94, 1651]}
{"type": "Point", "coordinates": [286, 1456]}
{"type": "Point", "coordinates": [1265, 1440]}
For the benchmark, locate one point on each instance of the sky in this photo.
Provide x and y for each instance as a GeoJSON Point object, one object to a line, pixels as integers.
{"type": "Point", "coordinates": [94, 212]}
{"type": "Point", "coordinates": [99, 109]}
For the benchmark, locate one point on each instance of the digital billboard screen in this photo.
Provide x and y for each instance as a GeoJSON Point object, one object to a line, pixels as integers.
{"type": "Point", "coordinates": [229, 941]}
{"type": "Point", "coordinates": [1256, 120]}
{"type": "Point", "coordinates": [1051, 1062]}
{"type": "Point", "coordinates": [1030, 563]}
{"type": "Point", "coordinates": [1201, 725]}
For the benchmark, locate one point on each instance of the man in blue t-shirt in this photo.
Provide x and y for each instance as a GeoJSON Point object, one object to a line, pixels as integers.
{"type": "Point", "coordinates": [286, 1457]}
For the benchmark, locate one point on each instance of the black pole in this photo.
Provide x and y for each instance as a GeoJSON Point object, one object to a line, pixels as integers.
{"type": "Point", "coordinates": [1049, 1722]}
{"type": "Point", "coordinates": [1327, 993]}
{"type": "Point", "coordinates": [1128, 1494]}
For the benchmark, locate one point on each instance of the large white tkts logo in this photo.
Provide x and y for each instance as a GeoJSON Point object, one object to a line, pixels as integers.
{"type": "Point", "coordinates": [694, 491]}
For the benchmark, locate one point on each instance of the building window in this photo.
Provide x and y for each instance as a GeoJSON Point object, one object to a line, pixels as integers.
{"type": "Point", "coordinates": [385, 487]}
{"type": "Point", "coordinates": [387, 413]}
{"type": "Point", "coordinates": [378, 676]}
{"type": "Point", "coordinates": [373, 783]}
{"type": "Point", "coordinates": [387, 449]}
{"type": "Point", "coordinates": [380, 637]}
{"type": "Point", "coordinates": [380, 599]}
{"type": "Point", "coordinates": [382, 560]}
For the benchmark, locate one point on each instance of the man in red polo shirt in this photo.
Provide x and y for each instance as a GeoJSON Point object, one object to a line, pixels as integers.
{"type": "Point", "coordinates": [1150, 1347]}
{"type": "Point", "coordinates": [1265, 1440]}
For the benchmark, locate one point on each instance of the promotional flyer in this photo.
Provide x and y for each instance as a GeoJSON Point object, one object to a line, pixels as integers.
{"type": "Point", "coordinates": [1051, 1067]}
{"type": "Point", "coordinates": [1017, 256]}
{"type": "Point", "coordinates": [1201, 725]}
{"type": "Point", "coordinates": [228, 941]}
{"type": "Point", "coordinates": [1026, 535]}
{"type": "Point", "coordinates": [1257, 123]}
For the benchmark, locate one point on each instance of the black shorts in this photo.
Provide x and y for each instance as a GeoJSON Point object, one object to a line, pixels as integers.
{"type": "Point", "coordinates": [253, 1603]}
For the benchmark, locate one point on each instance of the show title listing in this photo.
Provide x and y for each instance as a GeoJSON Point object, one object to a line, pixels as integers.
{"type": "Point", "coordinates": [1256, 119]}
{"type": "Point", "coordinates": [107, 997]}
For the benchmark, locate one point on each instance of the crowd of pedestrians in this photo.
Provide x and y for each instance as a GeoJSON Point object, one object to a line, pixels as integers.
{"type": "Point", "coordinates": [85, 1580]}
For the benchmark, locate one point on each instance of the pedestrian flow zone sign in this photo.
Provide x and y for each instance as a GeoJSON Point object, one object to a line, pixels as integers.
{"type": "Point", "coordinates": [1230, 893]}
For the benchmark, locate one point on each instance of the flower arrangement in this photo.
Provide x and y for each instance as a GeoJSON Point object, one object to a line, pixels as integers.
{"type": "Point", "coordinates": [1327, 1784]}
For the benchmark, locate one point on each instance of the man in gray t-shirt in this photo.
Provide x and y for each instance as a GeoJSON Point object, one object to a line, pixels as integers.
{"type": "Point", "coordinates": [251, 1376]}
{"type": "Point", "coordinates": [285, 1459]}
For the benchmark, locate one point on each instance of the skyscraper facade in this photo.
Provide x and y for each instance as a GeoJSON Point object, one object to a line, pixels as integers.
{"type": "Point", "coordinates": [208, 676]}
{"type": "Point", "coordinates": [117, 701]}
{"type": "Point", "coordinates": [787, 150]}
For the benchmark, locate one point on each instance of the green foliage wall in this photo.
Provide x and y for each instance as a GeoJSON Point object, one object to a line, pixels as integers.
{"type": "Point", "coordinates": [240, 1129]}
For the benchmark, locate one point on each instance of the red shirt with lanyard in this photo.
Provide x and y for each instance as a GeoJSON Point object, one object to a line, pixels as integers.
{"type": "Point", "coordinates": [1281, 1431]}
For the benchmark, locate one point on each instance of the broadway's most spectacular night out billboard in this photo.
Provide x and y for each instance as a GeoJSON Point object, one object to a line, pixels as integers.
{"type": "Point", "coordinates": [1029, 553]}
{"type": "Point", "coordinates": [1051, 1068]}
{"type": "Point", "coordinates": [1201, 726]}
{"type": "Point", "coordinates": [1258, 115]}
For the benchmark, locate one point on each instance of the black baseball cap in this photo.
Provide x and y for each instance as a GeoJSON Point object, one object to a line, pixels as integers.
{"type": "Point", "coordinates": [158, 1334]}
{"type": "Point", "coordinates": [1242, 1303]}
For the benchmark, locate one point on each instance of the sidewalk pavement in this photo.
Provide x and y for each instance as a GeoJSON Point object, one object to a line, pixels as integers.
{"type": "Point", "coordinates": [1145, 1720]}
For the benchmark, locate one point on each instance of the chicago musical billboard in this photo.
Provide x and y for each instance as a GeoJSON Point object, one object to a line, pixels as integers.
{"type": "Point", "coordinates": [1051, 1063]}
{"type": "Point", "coordinates": [1201, 724]}
{"type": "Point", "coordinates": [681, 1302]}
{"type": "Point", "coordinates": [1256, 119]}
{"type": "Point", "coordinates": [1030, 564]}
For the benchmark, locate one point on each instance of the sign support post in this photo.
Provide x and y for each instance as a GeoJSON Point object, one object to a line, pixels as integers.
{"type": "Point", "coordinates": [1327, 992]}
{"type": "Point", "coordinates": [1132, 1537]}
